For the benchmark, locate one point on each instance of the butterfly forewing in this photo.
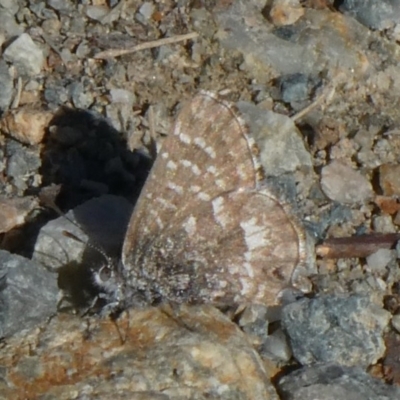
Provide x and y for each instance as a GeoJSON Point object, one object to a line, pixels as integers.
{"type": "Point", "coordinates": [203, 229]}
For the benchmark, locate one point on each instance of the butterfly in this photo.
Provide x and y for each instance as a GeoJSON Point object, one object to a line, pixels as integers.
{"type": "Point", "coordinates": [206, 227]}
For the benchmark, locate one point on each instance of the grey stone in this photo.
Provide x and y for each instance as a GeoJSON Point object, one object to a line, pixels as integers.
{"type": "Point", "coordinates": [28, 293]}
{"type": "Point", "coordinates": [8, 24]}
{"type": "Point", "coordinates": [10, 5]}
{"type": "Point", "coordinates": [253, 320]}
{"type": "Point", "coordinates": [122, 96]}
{"type": "Point", "coordinates": [22, 164]}
{"type": "Point", "coordinates": [396, 322]}
{"type": "Point", "coordinates": [147, 9]}
{"type": "Point", "coordinates": [6, 86]}
{"type": "Point", "coordinates": [80, 97]}
{"type": "Point", "coordinates": [96, 12]}
{"type": "Point", "coordinates": [56, 94]}
{"type": "Point", "coordinates": [276, 346]}
{"type": "Point", "coordinates": [101, 221]}
{"type": "Point", "coordinates": [333, 382]}
{"type": "Point", "coordinates": [380, 259]}
{"type": "Point", "coordinates": [264, 47]}
{"type": "Point", "coordinates": [343, 184]}
{"type": "Point", "coordinates": [281, 146]}
{"type": "Point", "coordinates": [27, 57]}
{"type": "Point", "coordinates": [83, 49]}
{"type": "Point", "coordinates": [380, 15]}
{"type": "Point", "coordinates": [345, 330]}
{"type": "Point", "coordinates": [297, 87]}
{"type": "Point", "coordinates": [60, 5]}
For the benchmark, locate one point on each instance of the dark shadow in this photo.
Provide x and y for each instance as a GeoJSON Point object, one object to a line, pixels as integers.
{"type": "Point", "coordinates": [87, 157]}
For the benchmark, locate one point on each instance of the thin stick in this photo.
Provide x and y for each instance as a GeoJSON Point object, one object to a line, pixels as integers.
{"type": "Point", "coordinates": [17, 98]}
{"type": "Point", "coordinates": [328, 92]}
{"type": "Point", "coordinates": [357, 246]}
{"type": "Point", "coordinates": [112, 53]}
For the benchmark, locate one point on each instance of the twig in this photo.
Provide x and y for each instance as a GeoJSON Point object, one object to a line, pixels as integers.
{"type": "Point", "coordinates": [357, 246]}
{"type": "Point", "coordinates": [327, 93]}
{"type": "Point", "coordinates": [112, 53]}
{"type": "Point", "coordinates": [17, 97]}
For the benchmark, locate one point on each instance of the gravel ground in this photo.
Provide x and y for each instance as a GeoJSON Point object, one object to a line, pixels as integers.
{"type": "Point", "coordinates": [88, 92]}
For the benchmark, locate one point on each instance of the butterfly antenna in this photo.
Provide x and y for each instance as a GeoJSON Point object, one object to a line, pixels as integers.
{"type": "Point", "coordinates": [95, 247]}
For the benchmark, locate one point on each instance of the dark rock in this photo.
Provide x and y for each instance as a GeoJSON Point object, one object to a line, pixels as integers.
{"type": "Point", "coordinates": [28, 293]}
{"type": "Point", "coordinates": [375, 14]}
{"type": "Point", "coordinates": [296, 88]}
{"type": "Point", "coordinates": [333, 382]}
{"type": "Point", "coordinates": [23, 163]}
{"type": "Point", "coordinates": [345, 330]}
{"type": "Point", "coordinates": [6, 86]}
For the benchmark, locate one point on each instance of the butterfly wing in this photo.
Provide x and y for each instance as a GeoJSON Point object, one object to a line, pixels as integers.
{"type": "Point", "coordinates": [203, 230]}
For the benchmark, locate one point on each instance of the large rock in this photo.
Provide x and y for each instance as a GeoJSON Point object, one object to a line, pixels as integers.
{"type": "Point", "coordinates": [154, 353]}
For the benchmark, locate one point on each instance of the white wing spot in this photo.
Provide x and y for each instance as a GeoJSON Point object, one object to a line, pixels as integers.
{"type": "Point", "coordinates": [159, 223]}
{"type": "Point", "coordinates": [210, 151]}
{"type": "Point", "coordinates": [186, 163]}
{"type": "Point", "coordinates": [166, 204]}
{"type": "Point", "coordinates": [220, 183]}
{"type": "Point", "coordinates": [253, 234]}
{"type": "Point", "coordinates": [171, 165]}
{"type": "Point", "coordinates": [219, 211]}
{"type": "Point", "coordinates": [176, 188]}
{"type": "Point", "coordinates": [203, 196]}
{"type": "Point", "coordinates": [184, 138]}
{"type": "Point", "coordinates": [177, 128]}
{"type": "Point", "coordinates": [246, 287]}
{"type": "Point", "coordinates": [190, 225]}
{"type": "Point", "coordinates": [241, 171]}
{"type": "Point", "coordinates": [199, 141]}
{"type": "Point", "coordinates": [196, 170]}
{"type": "Point", "coordinates": [211, 169]}
{"type": "Point", "coordinates": [195, 189]}
{"type": "Point", "coordinates": [248, 267]}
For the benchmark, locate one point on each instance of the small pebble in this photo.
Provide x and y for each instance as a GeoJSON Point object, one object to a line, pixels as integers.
{"type": "Point", "coordinates": [389, 179]}
{"type": "Point", "coordinates": [343, 184]}
{"type": "Point", "coordinates": [396, 322]}
{"type": "Point", "coordinates": [383, 224]}
{"type": "Point", "coordinates": [122, 96]}
{"type": "Point", "coordinates": [6, 86]}
{"type": "Point", "coordinates": [27, 57]}
{"type": "Point", "coordinates": [147, 9]}
{"type": "Point", "coordinates": [26, 124]}
{"type": "Point", "coordinates": [380, 259]}
{"type": "Point", "coordinates": [285, 12]}
{"type": "Point", "coordinates": [97, 12]}
{"type": "Point", "coordinates": [13, 212]}
{"type": "Point", "coordinates": [276, 346]}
